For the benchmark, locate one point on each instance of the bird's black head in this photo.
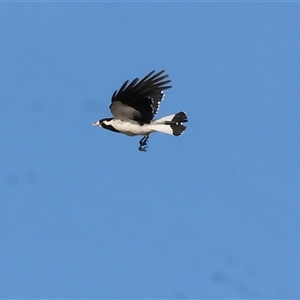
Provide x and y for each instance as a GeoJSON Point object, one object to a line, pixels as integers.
{"type": "Point", "coordinates": [106, 123]}
{"type": "Point", "coordinates": [103, 122]}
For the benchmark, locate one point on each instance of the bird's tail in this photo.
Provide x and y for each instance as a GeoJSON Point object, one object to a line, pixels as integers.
{"type": "Point", "coordinates": [170, 124]}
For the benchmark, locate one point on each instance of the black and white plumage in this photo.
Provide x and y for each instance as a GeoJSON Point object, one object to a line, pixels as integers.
{"type": "Point", "coordinates": [134, 106]}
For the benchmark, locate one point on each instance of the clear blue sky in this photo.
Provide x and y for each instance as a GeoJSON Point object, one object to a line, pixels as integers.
{"type": "Point", "coordinates": [212, 214]}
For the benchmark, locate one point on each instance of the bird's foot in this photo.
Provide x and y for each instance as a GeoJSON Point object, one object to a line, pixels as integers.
{"type": "Point", "coordinates": [143, 143]}
{"type": "Point", "coordinates": [143, 148]}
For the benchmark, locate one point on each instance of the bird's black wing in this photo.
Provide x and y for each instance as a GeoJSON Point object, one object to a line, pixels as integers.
{"type": "Point", "coordinates": [140, 99]}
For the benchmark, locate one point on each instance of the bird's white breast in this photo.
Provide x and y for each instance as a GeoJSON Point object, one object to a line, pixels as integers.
{"type": "Point", "coordinates": [131, 128]}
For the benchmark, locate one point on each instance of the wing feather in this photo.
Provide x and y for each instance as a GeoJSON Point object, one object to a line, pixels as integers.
{"type": "Point", "coordinates": [141, 98]}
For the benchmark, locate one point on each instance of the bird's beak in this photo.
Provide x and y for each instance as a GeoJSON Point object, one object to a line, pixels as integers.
{"type": "Point", "coordinates": [96, 124]}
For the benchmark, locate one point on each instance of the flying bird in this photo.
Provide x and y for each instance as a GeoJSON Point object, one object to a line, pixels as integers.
{"type": "Point", "coordinates": [134, 106]}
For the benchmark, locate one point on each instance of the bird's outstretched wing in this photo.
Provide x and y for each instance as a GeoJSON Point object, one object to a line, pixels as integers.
{"type": "Point", "coordinates": [140, 99]}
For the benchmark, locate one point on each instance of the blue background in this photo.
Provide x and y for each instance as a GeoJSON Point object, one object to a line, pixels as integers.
{"type": "Point", "coordinates": [212, 214]}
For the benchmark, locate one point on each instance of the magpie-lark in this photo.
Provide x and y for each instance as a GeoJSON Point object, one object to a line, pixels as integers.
{"type": "Point", "coordinates": [134, 106]}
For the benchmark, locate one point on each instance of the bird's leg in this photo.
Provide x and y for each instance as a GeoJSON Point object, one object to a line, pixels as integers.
{"type": "Point", "coordinates": [143, 143]}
